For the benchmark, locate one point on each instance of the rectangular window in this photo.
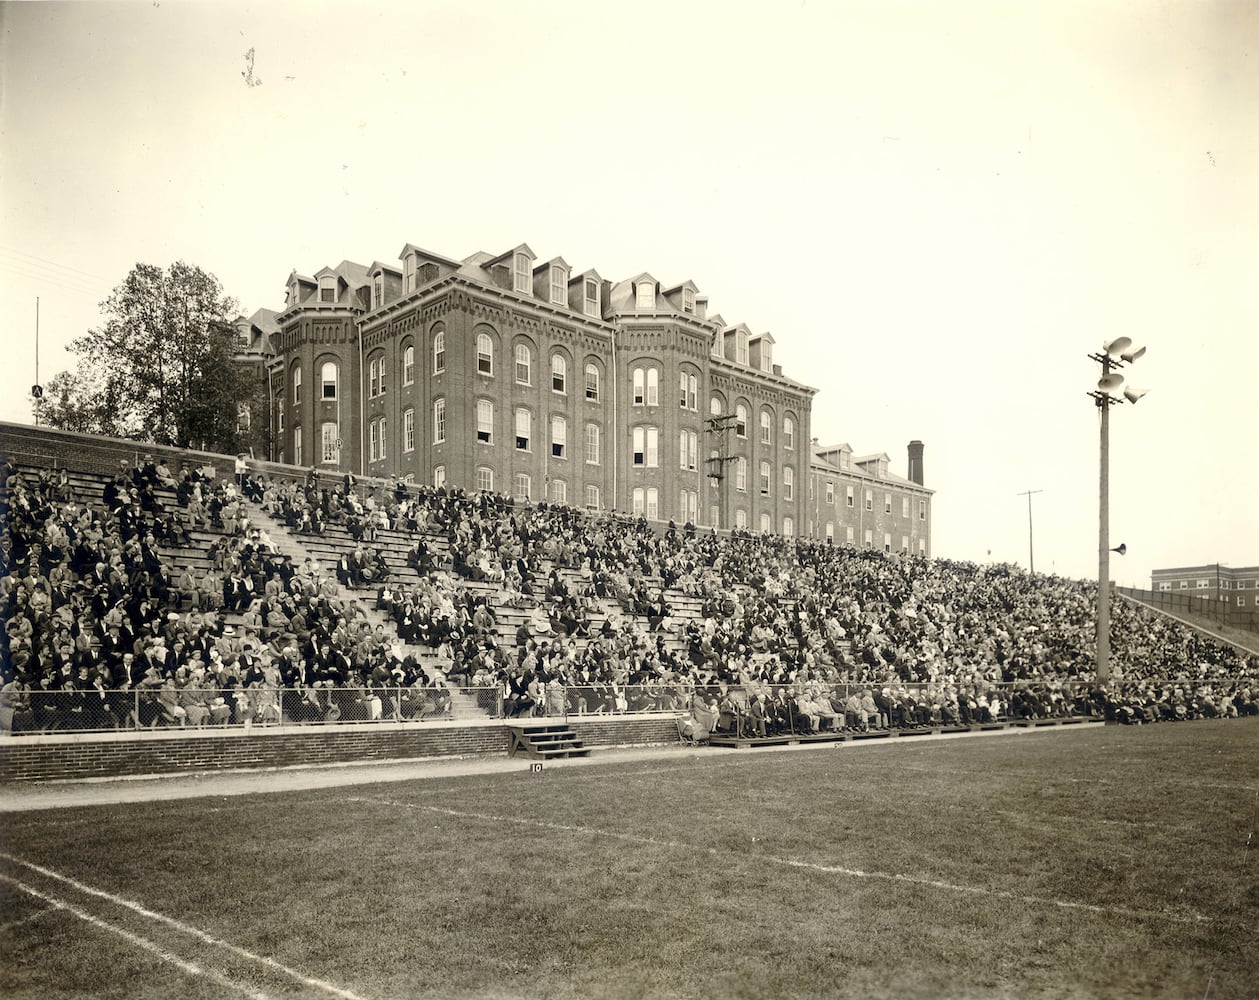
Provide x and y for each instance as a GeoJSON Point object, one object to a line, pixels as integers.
{"type": "Point", "coordinates": [297, 446]}
{"type": "Point", "coordinates": [848, 538]}
{"type": "Point", "coordinates": [559, 281]}
{"type": "Point", "coordinates": [1184, 584]}
{"type": "Point", "coordinates": [1165, 585]}
{"type": "Point", "coordinates": [851, 497]}
{"type": "Point", "coordinates": [331, 443]}
{"type": "Point", "coordinates": [523, 486]}
{"type": "Point", "coordinates": [485, 479]}
{"type": "Point", "coordinates": [645, 295]}
{"type": "Point", "coordinates": [887, 542]}
{"type": "Point", "coordinates": [639, 501]}
{"type": "Point", "coordinates": [789, 527]}
{"type": "Point", "coordinates": [371, 437]}
{"type": "Point", "coordinates": [1204, 584]}
{"type": "Point", "coordinates": [765, 427]}
{"type": "Point", "coordinates": [559, 491]}
{"type": "Point", "coordinates": [439, 421]}
{"type": "Point", "coordinates": [439, 476]}
{"type": "Point", "coordinates": [830, 531]}
{"type": "Point", "coordinates": [524, 429]}
{"type": "Point", "coordinates": [741, 519]}
{"type": "Point", "coordinates": [591, 304]}
{"type": "Point", "coordinates": [904, 543]}
{"type": "Point", "coordinates": [764, 524]}
{"type": "Point", "coordinates": [378, 292]}
{"type": "Point", "coordinates": [485, 421]}
{"type": "Point", "coordinates": [714, 515]}
{"type": "Point", "coordinates": [887, 503]}
{"type": "Point", "coordinates": [640, 446]}
{"type": "Point", "coordinates": [592, 444]}
{"type": "Point", "coordinates": [869, 538]}
{"type": "Point", "coordinates": [830, 491]}
{"type": "Point", "coordinates": [741, 474]}
{"type": "Point", "coordinates": [682, 388]}
{"type": "Point", "coordinates": [653, 503]}
{"type": "Point", "coordinates": [764, 479]}
{"type": "Point", "coordinates": [653, 386]}
{"type": "Point", "coordinates": [653, 448]}
{"type": "Point", "coordinates": [688, 300]}
{"type": "Point", "coordinates": [559, 437]}
{"type": "Point", "coordinates": [520, 274]}
{"type": "Point", "coordinates": [869, 500]}
{"type": "Point", "coordinates": [904, 506]}
{"type": "Point", "coordinates": [592, 496]}
{"type": "Point", "coordinates": [408, 430]}
{"type": "Point", "coordinates": [922, 510]}
{"type": "Point", "coordinates": [382, 437]}
{"type": "Point", "coordinates": [408, 273]}
{"type": "Point", "coordinates": [789, 485]}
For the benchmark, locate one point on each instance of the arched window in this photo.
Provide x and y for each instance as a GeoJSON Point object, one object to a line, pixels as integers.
{"type": "Point", "coordinates": [766, 427]}
{"type": "Point", "coordinates": [592, 382]}
{"type": "Point", "coordinates": [408, 365]}
{"type": "Point", "coordinates": [328, 381]}
{"type": "Point", "coordinates": [297, 384]}
{"type": "Point", "coordinates": [789, 483]}
{"type": "Point", "coordinates": [524, 364]}
{"type": "Point", "coordinates": [653, 386]}
{"type": "Point", "coordinates": [439, 352]}
{"type": "Point", "coordinates": [559, 374]}
{"type": "Point", "coordinates": [484, 354]}
{"type": "Point", "coordinates": [741, 421]}
{"type": "Point", "coordinates": [789, 433]}
{"type": "Point", "coordinates": [640, 392]}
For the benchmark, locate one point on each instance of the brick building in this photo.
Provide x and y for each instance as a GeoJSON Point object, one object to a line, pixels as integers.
{"type": "Point", "coordinates": [1213, 582]}
{"type": "Point", "coordinates": [502, 372]}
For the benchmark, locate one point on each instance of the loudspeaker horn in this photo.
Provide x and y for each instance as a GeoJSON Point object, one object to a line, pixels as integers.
{"type": "Point", "coordinates": [1117, 346]}
{"type": "Point", "coordinates": [1121, 548]}
{"type": "Point", "coordinates": [1110, 383]}
{"type": "Point", "coordinates": [1132, 354]}
{"type": "Point", "coordinates": [1132, 395]}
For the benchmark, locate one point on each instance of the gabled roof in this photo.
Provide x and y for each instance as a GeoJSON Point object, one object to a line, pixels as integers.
{"type": "Point", "coordinates": [591, 273]}
{"type": "Point", "coordinates": [264, 320]}
{"type": "Point", "coordinates": [294, 276]}
{"type": "Point", "coordinates": [688, 283]}
{"type": "Point", "coordinates": [737, 328]}
{"type": "Point", "coordinates": [766, 336]}
{"type": "Point", "coordinates": [550, 263]}
{"type": "Point", "coordinates": [524, 247]}
{"type": "Point", "coordinates": [379, 266]}
{"type": "Point", "coordinates": [436, 258]}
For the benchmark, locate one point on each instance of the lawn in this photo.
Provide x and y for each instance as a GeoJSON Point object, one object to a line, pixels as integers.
{"type": "Point", "coordinates": [1113, 862]}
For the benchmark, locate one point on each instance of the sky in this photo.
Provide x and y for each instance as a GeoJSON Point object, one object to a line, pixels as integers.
{"type": "Point", "coordinates": [939, 210]}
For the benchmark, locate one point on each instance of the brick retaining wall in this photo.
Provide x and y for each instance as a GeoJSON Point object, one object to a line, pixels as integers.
{"type": "Point", "coordinates": [117, 755]}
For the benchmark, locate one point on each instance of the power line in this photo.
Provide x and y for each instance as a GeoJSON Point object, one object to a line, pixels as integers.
{"type": "Point", "coordinates": [45, 260]}
{"type": "Point", "coordinates": [61, 281]}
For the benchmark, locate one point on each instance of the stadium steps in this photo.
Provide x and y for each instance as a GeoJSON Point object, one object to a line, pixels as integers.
{"type": "Point", "coordinates": [544, 740]}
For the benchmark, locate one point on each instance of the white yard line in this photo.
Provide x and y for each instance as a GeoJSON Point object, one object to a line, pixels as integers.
{"type": "Point", "coordinates": [140, 942]}
{"type": "Point", "coordinates": [901, 879]}
{"type": "Point", "coordinates": [330, 988]}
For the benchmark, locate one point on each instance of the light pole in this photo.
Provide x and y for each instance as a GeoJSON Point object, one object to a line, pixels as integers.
{"type": "Point", "coordinates": [1031, 557]}
{"type": "Point", "coordinates": [1113, 355]}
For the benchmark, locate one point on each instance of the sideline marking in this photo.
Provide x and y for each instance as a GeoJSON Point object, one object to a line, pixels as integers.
{"type": "Point", "coordinates": [1066, 904]}
{"type": "Point", "coordinates": [184, 966]}
{"type": "Point", "coordinates": [201, 935]}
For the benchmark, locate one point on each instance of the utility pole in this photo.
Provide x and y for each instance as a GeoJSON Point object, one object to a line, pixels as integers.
{"type": "Point", "coordinates": [1031, 559]}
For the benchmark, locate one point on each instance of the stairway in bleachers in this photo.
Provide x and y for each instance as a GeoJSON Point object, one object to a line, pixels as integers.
{"type": "Point", "coordinates": [543, 740]}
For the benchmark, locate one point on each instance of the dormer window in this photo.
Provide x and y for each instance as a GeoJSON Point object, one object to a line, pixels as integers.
{"type": "Point", "coordinates": [378, 291]}
{"type": "Point", "coordinates": [520, 274]}
{"type": "Point", "coordinates": [767, 355]}
{"type": "Point", "coordinates": [741, 347]}
{"type": "Point", "coordinates": [328, 289]}
{"type": "Point", "coordinates": [688, 300]}
{"type": "Point", "coordinates": [408, 273]}
{"type": "Point", "coordinates": [292, 298]}
{"type": "Point", "coordinates": [559, 285]}
{"type": "Point", "coordinates": [426, 273]}
{"type": "Point", "coordinates": [590, 305]}
{"type": "Point", "coordinates": [645, 295]}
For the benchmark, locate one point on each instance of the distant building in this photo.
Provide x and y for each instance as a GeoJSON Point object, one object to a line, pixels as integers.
{"type": "Point", "coordinates": [256, 351]}
{"type": "Point", "coordinates": [501, 372]}
{"type": "Point", "coordinates": [1212, 582]}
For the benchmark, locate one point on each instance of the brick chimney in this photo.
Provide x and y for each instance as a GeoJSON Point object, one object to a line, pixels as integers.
{"type": "Point", "coordinates": [915, 462]}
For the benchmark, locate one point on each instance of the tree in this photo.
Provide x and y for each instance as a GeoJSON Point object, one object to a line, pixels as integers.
{"type": "Point", "coordinates": [160, 368]}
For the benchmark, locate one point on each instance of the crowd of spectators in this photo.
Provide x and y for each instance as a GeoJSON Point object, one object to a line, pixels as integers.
{"type": "Point", "coordinates": [783, 633]}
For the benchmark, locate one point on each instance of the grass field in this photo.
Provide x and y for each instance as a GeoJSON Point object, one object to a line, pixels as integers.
{"type": "Point", "coordinates": [1115, 862]}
